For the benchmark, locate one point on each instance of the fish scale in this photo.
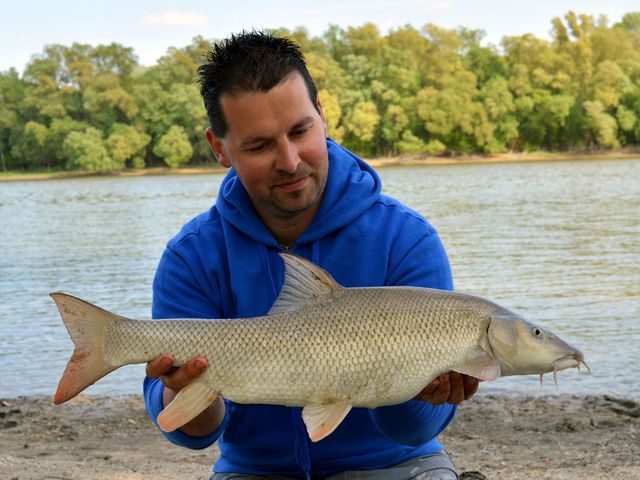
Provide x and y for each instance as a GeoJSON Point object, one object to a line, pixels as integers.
{"type": "Point", "coordinates": [324, 351]}
{"type": "Point", "coordinates": [322, 347]}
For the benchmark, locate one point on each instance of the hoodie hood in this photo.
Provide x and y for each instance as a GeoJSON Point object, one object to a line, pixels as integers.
{"type": "Point", "coordinates": [352, 187]}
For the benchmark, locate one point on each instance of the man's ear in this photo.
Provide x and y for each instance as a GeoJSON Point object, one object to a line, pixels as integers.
{"type": "Point", "coordinates": [218, 148]}
{"type": "Point", "coordinates": [321, 111]}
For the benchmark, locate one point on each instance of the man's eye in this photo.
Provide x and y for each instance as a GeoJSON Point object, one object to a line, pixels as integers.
{"type": "Point", "coordinates": [298, 133]}
{"type": "Point", "coordinates": [257, 148]}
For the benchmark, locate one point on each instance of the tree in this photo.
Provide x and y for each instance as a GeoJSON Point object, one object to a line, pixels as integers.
{"type": "Point", "coordinates": [107, 102]}
{"type": "Point", "coordinates": [12, 91]}
{"type": "Point", "coordinates": [602, 124]}
{"type": "Point", "coordinates": [610, 84]}
{"type": "Point", "coordinates": [630, 22]}
{"type": "Point", "coordinates": [174, 147]}
{"type": "Point", "coordinates": [362, 122]}
{"type": "Point", "coordinates": [427, 90]}
{"type": "Point", "coordinates": [333, 114]}
{"type": "Point", "coordinates": [126, 143]}
{"type": "Point", "coordinates": [179, 104]}
{"type": "Point", "coordinates": [114, 59]}
{"type": "Point", "coordinates": [394, 124]}
{"type": "Point", "coordinates": [59, 130]}
{"type": "Point", "coordinates": [484, 62]}
{"type": "Point", "coordinates": [31, 145]}
{"type": "Point", "coordinates": [178, 65]}
{"type": "Point", "coordinates": [365, 41]}
{"type": "Point", "coordinates": [578, 52]}
{"type": "Point", "coordinates": [87, 151]}
{"type": "Point", "coordinates": [410, 144]}
{"type": "Point", "coordinates": [627, 122]}
{"type": "Point", "coordinates": [500, 108]}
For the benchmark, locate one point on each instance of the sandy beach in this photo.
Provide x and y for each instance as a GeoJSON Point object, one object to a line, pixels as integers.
{"type": "Point", "coordinates": [556, 437]}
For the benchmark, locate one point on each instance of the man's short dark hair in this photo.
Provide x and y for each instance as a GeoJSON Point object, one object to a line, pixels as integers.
{"type": "Point", "coordinates": [248, 62]}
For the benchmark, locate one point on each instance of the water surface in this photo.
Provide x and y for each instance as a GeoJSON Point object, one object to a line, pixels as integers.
{"type": "Point", "coordinates": [558, 242]}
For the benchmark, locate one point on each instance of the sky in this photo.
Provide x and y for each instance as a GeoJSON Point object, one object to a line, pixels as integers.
{"type": "Point", "coordinates": [151, 27]}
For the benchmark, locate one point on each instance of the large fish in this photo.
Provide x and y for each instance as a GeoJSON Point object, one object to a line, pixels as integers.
{"type": "Point", "coordinates": [322, 347]}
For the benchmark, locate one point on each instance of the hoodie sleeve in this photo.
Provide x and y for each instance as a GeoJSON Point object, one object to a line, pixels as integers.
{"type": "Point", "coordinates": [176, 294]}
{"type": "Point", "coordinates": [423, 264]}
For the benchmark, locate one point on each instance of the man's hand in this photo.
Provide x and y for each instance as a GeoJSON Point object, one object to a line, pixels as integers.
{"type": "Point", "coordinates": [451, 387]}
{"type": "Point", "coordinates": [175, 379]}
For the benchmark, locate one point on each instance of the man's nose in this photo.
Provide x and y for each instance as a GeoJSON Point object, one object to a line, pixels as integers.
{"type": "Point", "coordinates": [288, 159]}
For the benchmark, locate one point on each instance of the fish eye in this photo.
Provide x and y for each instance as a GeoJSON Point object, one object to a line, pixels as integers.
{"type": "Point", "coordinates": [537, 332]}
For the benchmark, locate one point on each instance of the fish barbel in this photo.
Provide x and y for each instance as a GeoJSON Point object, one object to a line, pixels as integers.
{"type": "Point", "coordinates": [321, 347]}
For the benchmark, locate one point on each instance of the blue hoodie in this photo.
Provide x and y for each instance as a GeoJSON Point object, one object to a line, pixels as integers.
{"type": "Point", "coordinates": [224, 264]}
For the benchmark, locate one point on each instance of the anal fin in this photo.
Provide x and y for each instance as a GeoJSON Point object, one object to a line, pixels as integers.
{"type": "Point", "coordinates": [188, 404]}
{"type": "Point", "coordinates": [479, 364]}
{"type": "Point", "coordinates": [322, 420]}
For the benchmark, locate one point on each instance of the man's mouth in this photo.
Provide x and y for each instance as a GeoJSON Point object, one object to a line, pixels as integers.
{"type": "Point", "coordinates": [292, 185]}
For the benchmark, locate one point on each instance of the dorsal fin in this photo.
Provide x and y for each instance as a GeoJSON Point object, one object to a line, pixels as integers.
{"type": "Point", "coordinates": [303, 282]}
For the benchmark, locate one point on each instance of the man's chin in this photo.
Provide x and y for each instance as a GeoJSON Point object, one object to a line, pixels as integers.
{"type": "Point", "coordinates": [294, 207]}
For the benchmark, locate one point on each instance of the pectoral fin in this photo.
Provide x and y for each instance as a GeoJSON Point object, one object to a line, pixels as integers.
{"type": "Point", "coordinates": [480, 364]}
{"type": "Point", "coordinates": [322, 420]}
{"type": "Point", "coordinates": [188, 404]}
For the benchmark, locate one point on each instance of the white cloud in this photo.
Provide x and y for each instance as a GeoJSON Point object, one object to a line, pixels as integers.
{"type": "Point", "coordinates": [364, 6]}
{"type": "Point", "coordinates": [437, 7]}
{"type": "Point", "coordinates": [176, 19]}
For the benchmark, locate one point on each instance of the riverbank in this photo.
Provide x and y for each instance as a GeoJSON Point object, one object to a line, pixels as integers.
{"type": "Point", "coordinates": [561, 438]}
{"type": "Point", "coordinates": [406, 160]}
{"type": "Point", "coordinates": [510, 157]}
{"type": "Point", "coordinates": [140, 172]}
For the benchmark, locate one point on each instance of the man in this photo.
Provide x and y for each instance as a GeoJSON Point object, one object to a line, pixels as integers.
{"type": "Point", "coordinates": [293, 189]}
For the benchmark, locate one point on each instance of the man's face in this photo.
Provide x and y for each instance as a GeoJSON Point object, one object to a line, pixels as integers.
{"type": "Point", "coordinates": [276, 143]}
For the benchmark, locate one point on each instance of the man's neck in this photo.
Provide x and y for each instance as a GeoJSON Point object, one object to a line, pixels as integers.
{"type": "Point", "coordinates": [287, 230]}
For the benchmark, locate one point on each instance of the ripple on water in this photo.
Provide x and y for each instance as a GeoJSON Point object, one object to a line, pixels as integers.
{"type": "Point", "coordinates": [555, 241]}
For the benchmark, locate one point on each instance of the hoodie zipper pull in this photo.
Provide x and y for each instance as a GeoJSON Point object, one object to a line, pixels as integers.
{"type": "Point", "coordinates": [287, 248]}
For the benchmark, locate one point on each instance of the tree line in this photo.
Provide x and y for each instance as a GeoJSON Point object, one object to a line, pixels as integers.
{"type": "Point", "coordinates": [429, 91]}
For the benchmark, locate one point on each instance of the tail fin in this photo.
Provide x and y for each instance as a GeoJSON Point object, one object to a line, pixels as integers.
{"type": "Point", "coordinates": [87, 326]}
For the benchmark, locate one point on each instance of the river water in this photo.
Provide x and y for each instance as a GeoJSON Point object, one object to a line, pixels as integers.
{"type": "Point", "coordinates": [558, 242]}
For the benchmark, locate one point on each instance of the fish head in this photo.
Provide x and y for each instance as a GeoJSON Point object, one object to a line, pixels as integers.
{"type": "Point", "coordinates": [523, 348]}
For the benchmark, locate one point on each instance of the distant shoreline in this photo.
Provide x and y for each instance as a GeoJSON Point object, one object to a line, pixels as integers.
{"type": "Point", "coordinates": [406, 160]}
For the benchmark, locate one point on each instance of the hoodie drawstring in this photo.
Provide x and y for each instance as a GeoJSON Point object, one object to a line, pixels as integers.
{"type": "Point", "coordinates": [315, 252]}
{"type": "Point", "coordinates": [301, 446]}
{"type": "Point", "coordinates": [264, 259]}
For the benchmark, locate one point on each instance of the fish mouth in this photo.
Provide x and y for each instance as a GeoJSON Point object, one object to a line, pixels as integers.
{"type": "Point", "coordinates": [568, 361]}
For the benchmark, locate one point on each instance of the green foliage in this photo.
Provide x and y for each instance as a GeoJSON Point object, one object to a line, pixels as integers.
{"type": "Point", "coordinates": [31, 144]}
{"type": "Point", "coordinates": [427, 90]}
{"type": "Point", "coordinates": [411, 144]}
{"type": "Point", "coordinates": [333, 115]}
{"type": "Point", "coordinates": [174, 147]}
{"type": "Point", "coordinates": [362, 121]}
{"type": "Point", "coordinates": [87, 151]}
{"type": "Point", "coordinates": [630, 22]}
{"type": "Point", "coordinates": [127, 144]}
{"type": "Point", "coordinates": [602, 124]}
{"type": "Point", "coordinates": [627, 120]}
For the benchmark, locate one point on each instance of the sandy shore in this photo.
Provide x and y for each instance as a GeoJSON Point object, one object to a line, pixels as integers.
{"type": "Point", "coordinates": [562, 437]}
{"type": "Point", "coordinates": [405, 160]}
